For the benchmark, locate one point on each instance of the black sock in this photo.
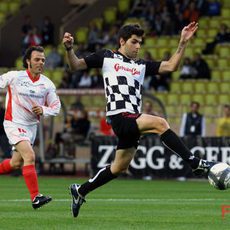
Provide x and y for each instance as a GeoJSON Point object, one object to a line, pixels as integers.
{"type": "Point", "coordinates": [102, 177]}
{"type": "Point", "coordinates": [174, 143]}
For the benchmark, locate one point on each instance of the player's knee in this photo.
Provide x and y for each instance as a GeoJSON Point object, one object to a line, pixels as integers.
{"type": "Point", "coordinates": [123, 170]}
{"type": "Point", "coordinates": [29, 157]}
{"type": "Point", "coordinates": [117, 170]}
{"type": "Point", "coordinates": [163, 125]}
{"type": "Point", "coordinates": [16, 164]}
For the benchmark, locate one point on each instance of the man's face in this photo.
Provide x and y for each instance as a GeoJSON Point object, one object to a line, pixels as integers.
{"type": "Point", "coordinates": [36, 62]}
{"type": "Point", "coordinates": [227, 111]}
{"type": "Point", "coordinates": [194, 107]}
{"type": "Point", "coordinates": [131, 47]}
{"type": "Point", "coordinates": [148, 107]}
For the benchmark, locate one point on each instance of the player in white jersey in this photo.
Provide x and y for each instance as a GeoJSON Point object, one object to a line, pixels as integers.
{"type": "Point", "coordinates": [30, 95]}
{"type": "Point", "coordinates": [123, 75]}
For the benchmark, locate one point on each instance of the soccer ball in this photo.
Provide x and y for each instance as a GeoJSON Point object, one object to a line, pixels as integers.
{"type": "Point", "coordinates": [219, 176]}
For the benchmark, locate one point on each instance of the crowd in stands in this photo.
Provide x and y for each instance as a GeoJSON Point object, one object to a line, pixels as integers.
{"type": "Point", "coordinates": [32, 34]}
{"type": "Point", "coordinates": [166, 18]}
{"type": "Point", "coordinates": [160, 18]}
{"type": "Point", "coordinates": [196, 68]}
{"type": "Point", "coordinates": [160, 82]}
{"type": "Point", "coordinates": [169, 17]}
{"type": "Point", "coordinates": [222, 36]}
{"type": "Point", "coordinates": [78, 128]}
{"type": "Point", "coordinates": [53, 59]}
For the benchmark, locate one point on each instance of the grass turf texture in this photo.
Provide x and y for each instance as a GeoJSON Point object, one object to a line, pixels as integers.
{"type": "Point", "coordinates": [121, 204]}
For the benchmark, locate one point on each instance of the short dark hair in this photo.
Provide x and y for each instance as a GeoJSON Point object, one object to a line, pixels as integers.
{"type": "Point", "coordinates": [28, 53]}
{"type": "Point", "coordinates": [127, 31]}
{"type": "Point", "coordinates": [195, 103]}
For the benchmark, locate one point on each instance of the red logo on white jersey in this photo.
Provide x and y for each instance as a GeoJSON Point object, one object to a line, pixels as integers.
{"type": "Point", "coordinates": [21, 130]}
{"type": "Point", "coordinates": [133, 71]}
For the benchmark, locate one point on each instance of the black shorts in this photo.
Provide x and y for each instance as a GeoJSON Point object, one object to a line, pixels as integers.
{"type": "Point", "coordinates": [125, 127]}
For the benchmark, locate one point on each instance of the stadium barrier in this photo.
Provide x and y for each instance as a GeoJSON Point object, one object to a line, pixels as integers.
{"type": "Point", "coordinates": [154, 160]}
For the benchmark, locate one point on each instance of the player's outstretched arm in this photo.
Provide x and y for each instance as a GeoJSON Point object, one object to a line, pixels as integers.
{"type": "Point", "coordinates": [75, 63]}
{"type": "Point", "coordinates": [173, 63]}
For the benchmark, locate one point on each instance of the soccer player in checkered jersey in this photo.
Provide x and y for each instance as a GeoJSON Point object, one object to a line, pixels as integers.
{"type": "Point", "coordinates": [30, 95]}
{"type": "Point", "coordinates": [123, 74]}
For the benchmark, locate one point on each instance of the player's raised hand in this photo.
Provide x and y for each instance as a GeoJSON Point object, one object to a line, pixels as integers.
{"type": "Point", "coordinates": [68, 40]}
{"type": "Point", "coordinates": [188, 31]}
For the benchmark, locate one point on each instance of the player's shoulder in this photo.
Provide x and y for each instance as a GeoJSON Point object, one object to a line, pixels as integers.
{"type": "Point", "coordinates": [13, 73]}
{"type": "Point", "coordinates": [104, 53]}
{"type": "Point", "coordinates": [47, 81]}
{"type": "Point", "coordinates": [141, 61]}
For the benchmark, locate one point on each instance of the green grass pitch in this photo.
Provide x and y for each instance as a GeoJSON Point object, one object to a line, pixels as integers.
{"type": "Point", "coordinates": [121, 205]}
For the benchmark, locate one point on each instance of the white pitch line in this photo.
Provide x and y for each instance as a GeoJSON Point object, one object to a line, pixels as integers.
{"type": "Point", "coordinates": [126, 200]}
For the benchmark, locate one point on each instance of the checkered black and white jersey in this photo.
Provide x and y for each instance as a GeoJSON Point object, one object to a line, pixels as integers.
{"type": "Point", "coordinates": [123, 79]}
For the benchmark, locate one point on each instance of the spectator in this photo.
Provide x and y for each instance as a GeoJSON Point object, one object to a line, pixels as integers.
{"type": "Point", "coordinates": [53, 59]}
{"type": "Point", "coordinates": [178, 18]}
{"type": "Point", "coordinates": [223, 123]}
{"type": "Point", "coordinates": [75, 79]}
{"type": "Point", "coordinates": [148, 108]}
{"type": "Point", "coordinates": [103, 38]}
{"type": "Point", "coordinates": [27, 25]}
{"type": "Point", "coordinates": [93, 37]}
{"type": "Point", "coordinates": [214, 7]}
{"type": "Point", "coordinates": [168, 23]}
{"type": "Point", "coordinates": [47, 31]}
{"type": "Point", "coordinates": [162, 81]}
{"type": "Point", "coordinates": [85, 81]}
{"type": "Point", "coordinates": [65, 81]}
{"type": "Point", "coordinates": [150, 14]}
{"type": "Point", "coordinates": [81, 50]}
{"type": "Point", "coordinates": [4, 144]}
{"type": "Point", "coordinates": [113, 35]}
{"type": "Point", "coordinates": [193, 122]}
{"type": "Point", "coordinates": [202, 6]}
{"type": "Point", "coordinates": [33, 38]}
{"type": "Point", "coordinates": [201, 67]}
{"type": "Point", "coordinates": [148, 56]}
{"type": "Point", "coordinates": [157, 26]}
{"type": "Point", "coordinates": [191, 13]}
{"type": "Point", "coordinates": [80, 124]}
{"type": "Point", "coordinates": [147, 80]}
{"type": "Point", "coordinates": [105, 128]}
{"type": "Point", "coordinates": [97, 79]}
{"type": "Point", "coordinates": [168, 26]}
{"type": "Point", "coordinates": [165, 13]}
{"type": "Point", "coordinates": [187, 70]}
{"type": "Point", "coordinates": [77, 105]}
{"type": "Point", "coordinates": [77, 127]}
{"type": "Point", "coordinates": [223, 36]}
